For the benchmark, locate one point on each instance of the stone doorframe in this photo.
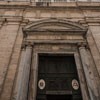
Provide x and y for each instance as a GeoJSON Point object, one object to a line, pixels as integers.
{"type": "Point", "coordinates": [66, 49]}
{"type": "Point", "coordinates": [53, 36]}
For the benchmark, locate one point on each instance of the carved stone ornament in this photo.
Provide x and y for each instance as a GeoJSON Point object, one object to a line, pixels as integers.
{"type": "Point", "coordinates": [75, 84]}
{"type": "Point", "coordinates": [41, 84]}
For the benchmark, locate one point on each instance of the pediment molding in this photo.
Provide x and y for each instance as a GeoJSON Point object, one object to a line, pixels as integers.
{"type": "Point", "coordinates": [54, 25]}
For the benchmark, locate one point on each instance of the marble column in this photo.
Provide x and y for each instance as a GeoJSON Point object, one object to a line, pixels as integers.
{"type": "Point", "coordinates": [23, 75]}
{"type": "Point", "coordinates": [88, 74]}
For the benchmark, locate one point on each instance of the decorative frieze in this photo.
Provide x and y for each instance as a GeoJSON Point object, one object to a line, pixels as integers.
{"type": "Point", "coordinates": [54, 47]}
{"type": "Point", "coordinates": [55, 37]}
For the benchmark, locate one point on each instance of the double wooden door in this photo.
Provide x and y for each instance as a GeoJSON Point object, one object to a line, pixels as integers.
{"type": "Point", "coordinates": [57, 78]}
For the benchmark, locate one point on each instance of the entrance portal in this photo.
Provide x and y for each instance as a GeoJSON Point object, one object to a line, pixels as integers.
{"type": "Point", "coordinates": [57, 78]}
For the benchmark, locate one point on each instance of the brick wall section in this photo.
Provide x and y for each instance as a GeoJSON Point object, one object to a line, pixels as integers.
{"type": "Point", "coordinates": [8, 35]}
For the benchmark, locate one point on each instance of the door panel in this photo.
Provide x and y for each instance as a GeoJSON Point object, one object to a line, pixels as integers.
{"type": "Point", "coordinates": [57, 71]}
{"type": "Point", "coordinates": [59, 97]}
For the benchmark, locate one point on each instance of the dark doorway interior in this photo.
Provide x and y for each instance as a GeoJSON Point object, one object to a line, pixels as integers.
{"type": "Point", "coordinates": [59, 97]}
{"type": "Point", "coordinates": [58, 72]}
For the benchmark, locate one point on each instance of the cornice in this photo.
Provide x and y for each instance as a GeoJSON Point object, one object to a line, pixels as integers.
{"type": "Point", "coordinates": [53, 42]}
{"type": "Point", "coordinates": [88, 5]}
{"type": "Point", "coordinates": [14, 20]}
{"type": "Point", "coordinates": [93, 21]}
{"type": "Point", "coordinates": [82, 5]}
{"type": "Point", "coordinates": [11, 18]}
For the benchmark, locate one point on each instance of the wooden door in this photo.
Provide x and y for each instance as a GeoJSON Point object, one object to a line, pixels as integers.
{"type": "Point", "coordinates": [58, 73]}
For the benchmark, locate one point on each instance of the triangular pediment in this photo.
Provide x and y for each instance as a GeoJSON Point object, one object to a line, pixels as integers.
{"type": "Point", "coordinates": [53, 25]}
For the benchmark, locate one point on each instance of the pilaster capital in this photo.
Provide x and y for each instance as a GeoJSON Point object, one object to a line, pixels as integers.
{"type": "Point", "coordinates": [82, 45]}
{"type": "Point", "coordinates": [27, 44]}
{"type": "Point", "coordinates": [23, 47]}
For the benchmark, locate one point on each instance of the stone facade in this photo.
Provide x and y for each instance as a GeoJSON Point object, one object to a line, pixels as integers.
{"type": "Point", "coordinates": [28, 28]}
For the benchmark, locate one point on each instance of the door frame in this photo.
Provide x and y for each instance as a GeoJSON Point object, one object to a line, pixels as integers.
{"type": "Point", "coordinates": [63, 92]}
{"type": "Point", "coordinates": [82, 81]}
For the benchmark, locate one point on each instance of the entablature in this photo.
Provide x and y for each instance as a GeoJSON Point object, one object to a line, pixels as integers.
{"type": "Point", "coordinates": [54, 31]}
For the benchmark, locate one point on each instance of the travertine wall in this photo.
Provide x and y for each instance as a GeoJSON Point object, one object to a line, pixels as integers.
{"type": "Point", "coordinates": [14, 16]}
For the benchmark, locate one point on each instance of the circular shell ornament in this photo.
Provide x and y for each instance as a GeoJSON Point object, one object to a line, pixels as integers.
{"type": "Point", "coordinates": [41, 84]}
{"type": "Point", "coordinates": [75, 84]}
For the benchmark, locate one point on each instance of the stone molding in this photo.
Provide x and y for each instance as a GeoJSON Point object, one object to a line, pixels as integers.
{"type": "Point", "coordinates": [14, 20]}
{"type": "Point", "coordinates": [75, 30]}
{"type": "Point", "coordinates": [67, 27]}
{"type": "Point", "coordinates": [54, 20]}
{"type": "Point", "coordinates": [82, 5]}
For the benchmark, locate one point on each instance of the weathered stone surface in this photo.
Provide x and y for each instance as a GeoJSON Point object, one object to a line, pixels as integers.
{"type": "Point", "coordinates": [8, 35]}
{"type": "Point", "coordinates": [12, 14]}
{"type": "Point", "coordinates": [23, 86]}
{"type": "Point", "coordinates": [12, 68]}
{"type": "Point", "coordinates": [92, 86]}
{"type": "Point", "coordinates": [85, 92]}
{"type": "Point", "coordinates": [94, 49]}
